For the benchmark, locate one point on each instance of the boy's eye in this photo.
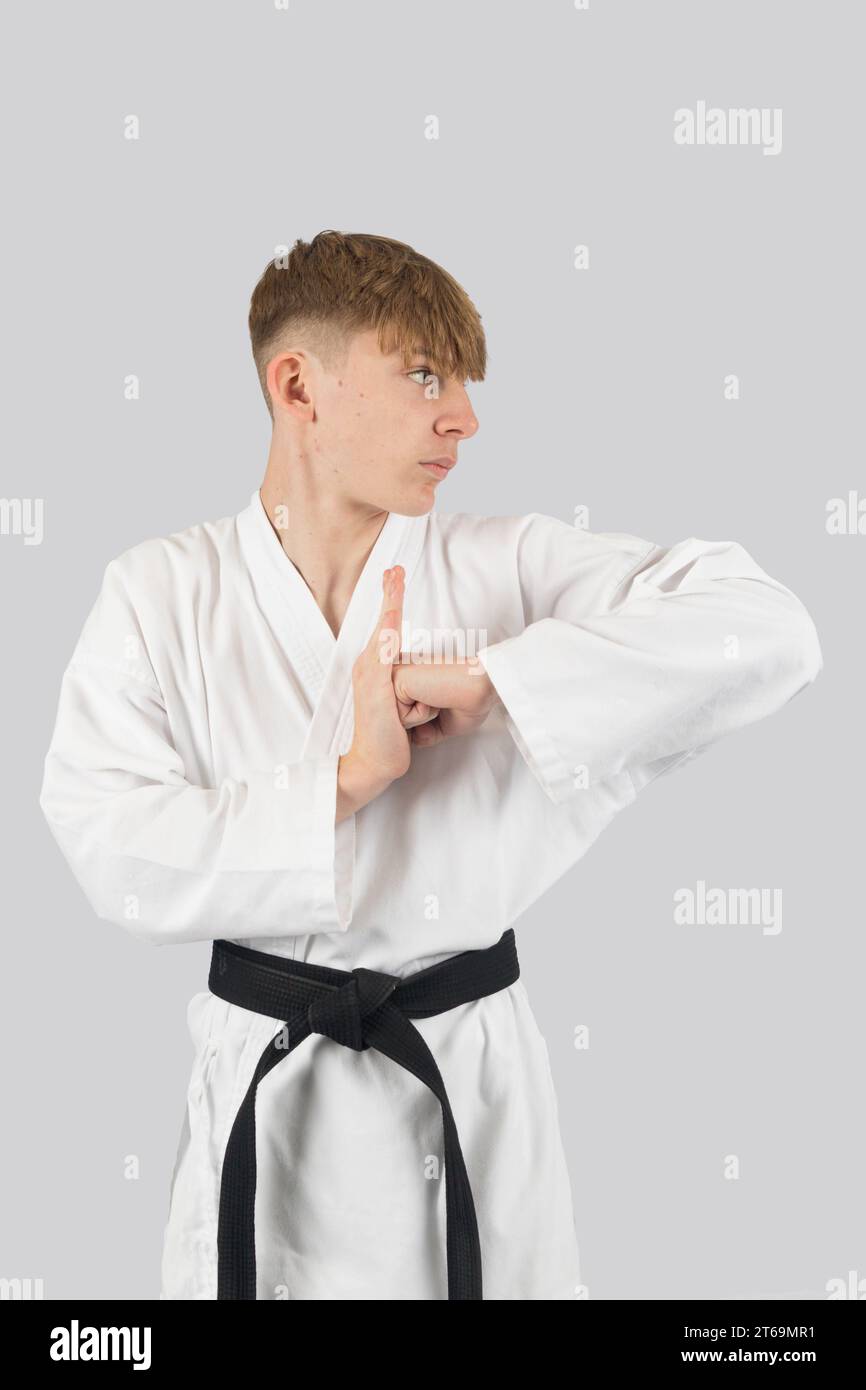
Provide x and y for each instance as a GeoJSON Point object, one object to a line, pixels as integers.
{"type": "Point", "coordinates": [423, 371]}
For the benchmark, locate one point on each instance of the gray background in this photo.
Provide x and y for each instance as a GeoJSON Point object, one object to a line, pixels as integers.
{"type": "Point", "coordinates": [605, 389]}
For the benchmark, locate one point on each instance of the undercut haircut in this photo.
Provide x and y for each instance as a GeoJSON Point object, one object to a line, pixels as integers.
{"type": "Point", "coordinates": [342, 283]}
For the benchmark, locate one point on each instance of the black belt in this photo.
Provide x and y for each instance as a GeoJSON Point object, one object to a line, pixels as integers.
{"type": "Point", "coordinates": [359, 1009]}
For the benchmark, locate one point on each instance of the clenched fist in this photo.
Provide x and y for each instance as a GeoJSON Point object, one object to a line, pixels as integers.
{"type": "Point", "coordinates": [449, 698]}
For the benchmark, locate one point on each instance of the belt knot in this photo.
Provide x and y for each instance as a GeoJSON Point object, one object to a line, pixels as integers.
{"type": "Point", "coordinates": [340, 1013]}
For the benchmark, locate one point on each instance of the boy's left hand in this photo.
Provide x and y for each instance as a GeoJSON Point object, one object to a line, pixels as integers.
{"type": "Point", "coordinates": [442, 699]}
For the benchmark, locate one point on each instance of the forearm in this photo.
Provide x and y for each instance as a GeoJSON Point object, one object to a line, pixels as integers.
{"type": "Point", "coordinates": [357, 784]}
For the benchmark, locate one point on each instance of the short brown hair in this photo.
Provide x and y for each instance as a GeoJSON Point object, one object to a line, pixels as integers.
{"type": "Point", "coordinates": [341, 283]}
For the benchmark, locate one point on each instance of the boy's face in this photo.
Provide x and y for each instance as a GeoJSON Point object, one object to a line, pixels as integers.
{"type": "Point", "coordinates": [374, 422]}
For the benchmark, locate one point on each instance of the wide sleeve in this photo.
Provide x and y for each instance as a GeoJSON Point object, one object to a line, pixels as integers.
{"type": "Point", "coordinates": [171, 861]}
{"type": "Point", "coordinates": [684, 645]}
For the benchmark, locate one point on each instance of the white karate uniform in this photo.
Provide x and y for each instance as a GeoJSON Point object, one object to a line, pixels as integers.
{"type": "Point", "coordinates": [191, 785]}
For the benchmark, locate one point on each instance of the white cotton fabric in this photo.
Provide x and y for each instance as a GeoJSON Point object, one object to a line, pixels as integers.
{"type": "Point", "coordinates": [191, 784]}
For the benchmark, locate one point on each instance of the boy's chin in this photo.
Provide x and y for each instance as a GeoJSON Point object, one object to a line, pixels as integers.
{"type": "Point", "coordinates": [417, 503]}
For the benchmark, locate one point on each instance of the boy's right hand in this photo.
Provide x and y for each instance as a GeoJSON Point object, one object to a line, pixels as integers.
{"type": "Point", "coordinates": [380, 750]}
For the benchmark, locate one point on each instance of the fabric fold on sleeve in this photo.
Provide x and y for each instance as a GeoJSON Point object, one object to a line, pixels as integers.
{"type": "Point", "coordinates": [171, 861]}
{"type": "Point", "coordinates": [693, 642]}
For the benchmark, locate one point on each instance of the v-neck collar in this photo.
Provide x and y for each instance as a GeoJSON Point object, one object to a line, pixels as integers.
{"type": "Point", "coordinates": [324, 662]}
{"type": "Point", "coordinates": [317, 627]}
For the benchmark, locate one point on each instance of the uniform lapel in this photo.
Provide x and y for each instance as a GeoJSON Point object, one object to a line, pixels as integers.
{"type": "Point", "coordinates": [322, 662]}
